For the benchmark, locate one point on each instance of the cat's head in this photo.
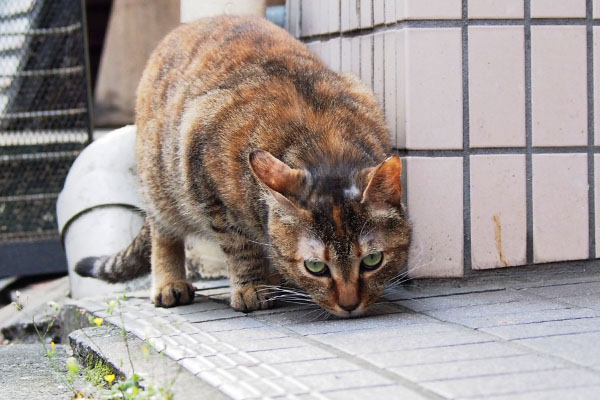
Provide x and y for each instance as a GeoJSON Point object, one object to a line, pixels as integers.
{"type": "Point", "coordinates": [339, 238]}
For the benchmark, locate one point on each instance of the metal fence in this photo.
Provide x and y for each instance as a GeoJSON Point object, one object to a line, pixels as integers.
{"type": "Point", "coordinates": [45, 121]}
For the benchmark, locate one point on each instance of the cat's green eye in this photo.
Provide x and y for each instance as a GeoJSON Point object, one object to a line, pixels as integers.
{"type": "Point", "coordinates": [372, 261]}
{"type": "Point", "coordinates": [315, 267]}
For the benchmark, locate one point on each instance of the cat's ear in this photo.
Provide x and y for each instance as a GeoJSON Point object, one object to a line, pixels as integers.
{"type": "Point", "coordinates": [383, 183]}
{"type": "Point", "coordinates": [282, 181]}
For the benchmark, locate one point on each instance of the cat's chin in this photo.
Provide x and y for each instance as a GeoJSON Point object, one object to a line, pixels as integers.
{"type": "Point", "coordinates": [348, 314]}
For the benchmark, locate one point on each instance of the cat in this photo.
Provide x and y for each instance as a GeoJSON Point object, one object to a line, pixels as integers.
{"type": "Point", "coordinates": [246, 136]}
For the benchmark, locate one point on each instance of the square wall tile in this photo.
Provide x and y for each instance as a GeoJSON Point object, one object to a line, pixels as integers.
{"type": "Point", "coordinates": [401, 86]}
{"type": "Point", "coordinates": [596, 73]}
{"type": "Point", "coordinates": [335, 54]}
{"type": "Point", "coordinates": [597, 201]}
{"type": "Point", "coordinates": [498, 211]}
{"type": "Point", "coordinates": [366, 14]}
{"type": "Point", "coordinates": [323, 10]}
{"type": "Point", "coordinates": [596, 9]}
{"type": "Point", "coordinates": [433, 94]}
{"type": "Point", "coordinates": [366, 60]}
{"type": "Point", "coordinates": [333, 15]}
{"type": "Point", "coordinates": [378, 61]}
{"type": "Point", "coordinates": [315, 47]}
{"type": "Point", "coordinates": [389, 78]}
{"type": "Point", "coordinates": [497, 86]}
{"type": "Point", "coordinates": [354, 14]}
{"type": "Point", "coordinates": [560, 207]}
{"type": "Point", "coordinates": [558, 8]}
{"type": "Point", "coordinates": [435, 208]}
{"type": "Point", "coordinates": [496, 9]}
{"type": "Point", "coordinates": [310, 20]}
{"type": "Point", "coordinates": [432, 9]}
{"type": "Point", "coordinates": [390, 11]}
{"type": "Point", "coordinates": [323, 52]}
{"type": "Point", "coordinates": [559, 85]}
{"type": "Point", "coordinates": [378, 12]}
{"type": "Point", "coordinates": [356, 55]}
{"type": "Point", "coordinates": [293, 17]}
{"type": "Point", "coordinates": [350, 20]}
{"type": "Point", "coordinates": [346, 56]}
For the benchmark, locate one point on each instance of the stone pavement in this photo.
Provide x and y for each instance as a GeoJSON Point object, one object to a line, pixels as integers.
{"type": "Point", "coordinates": [531, 335]}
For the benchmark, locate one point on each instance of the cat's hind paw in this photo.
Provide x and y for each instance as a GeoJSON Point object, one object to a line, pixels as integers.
{"type": "Point", "coordinates": [173, 294]}
{"type": "Point", "coordinates": [250, 298]}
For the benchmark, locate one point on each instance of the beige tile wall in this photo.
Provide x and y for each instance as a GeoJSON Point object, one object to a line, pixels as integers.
{"type": "Point", "coordinates": [494, 106]}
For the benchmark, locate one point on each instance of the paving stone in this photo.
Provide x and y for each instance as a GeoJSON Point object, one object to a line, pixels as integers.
{"type": "Point", "coordinates": [211, 284]}
{"type": "Point", "coordinates": [270, 344]}
{"type": "Point", "coordinates": [197, 364]}
{"type": "Point", "coordinates": [566, 290]}
{"type": "Point", "coordinates": [575, 393]}
{"type": "Point", "coordinates": [344, 380]}
{"type": "Point", "coordinates": [512, 383]}
{"type": "Point", "coordinates": [266, 387]}
{"type": "Point", "coordinates": [239, 391]}
{"type": "Point", "coordinates": [521, 307]}
{"type": "Point", "coordinates": [250, 373]}
{"type": "Point", "coordinates": [573, 347]}
{"type": "Point", "coordinates": [212, 315]}
{"type": "Point", "coordinates": [216, 377]}
{"type": "Point", "coordinates": [412, 342]}
{"type": "Point", "coordinates": [198, 305]}
{"type": "Point", "coordinates": [371, 334]}
{"type": "Point", "coordinates": [415, 291]}
{"type": "Point", "coordinates": [171, 348]}
{"type": "Point", "coordinates": [290, 385]}
{"type": "Point", "coordinates": [473, 368]}
{"type": "Point", "coordinates": [291, 355]}
{"type": "Point", "coordinates": [476, 351]}
{"type": "Point", "coordinates": [462, 300]}
{"type": "Point", "coordinates": [249, 334]}
{"type": "Point", "coordinates": [212, 349]}
{"type": "Point", "coordinates": [317, 367]}
{"type": "Point", "coordinates": [548, 328]}
{"type": "Point", "coordinates": [230, 324]}
{"type": "Point", "coordinates": [391, 392]}
{"type": "Point", "coordinates": [589, 301]}
{"type": "Point", "coordinates": [340, 325]}
{"type": "Point", "coordinates": [186, 328]}
{"type": "Point", "coordinates": [524, 318]}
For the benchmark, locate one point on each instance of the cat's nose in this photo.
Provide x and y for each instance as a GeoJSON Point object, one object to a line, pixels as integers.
{"type": "Point", "coordinates": [350, 306]}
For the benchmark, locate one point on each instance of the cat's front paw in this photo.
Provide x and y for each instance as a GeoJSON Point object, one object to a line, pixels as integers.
{"type": "Point", "coordinates": [250, 298]}
{"type": "Point", "coordinates": [173, 294]}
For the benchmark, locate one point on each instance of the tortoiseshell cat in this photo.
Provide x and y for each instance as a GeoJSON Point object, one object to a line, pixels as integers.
{"type": "Point", "coordinates": [245, 135]}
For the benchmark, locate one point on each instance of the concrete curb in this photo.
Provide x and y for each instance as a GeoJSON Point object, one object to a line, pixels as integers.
{"type": "Point", "coordinates": [107, 344]}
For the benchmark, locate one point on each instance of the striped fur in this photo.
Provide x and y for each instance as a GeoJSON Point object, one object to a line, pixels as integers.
{"type": "Point", "coordinates": [131, 263]}
{"type": "Point", "coordinates": [246, 136]}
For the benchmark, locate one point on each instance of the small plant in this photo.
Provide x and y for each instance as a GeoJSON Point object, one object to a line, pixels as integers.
{"type": "Point", "coordinates": [96, 374]}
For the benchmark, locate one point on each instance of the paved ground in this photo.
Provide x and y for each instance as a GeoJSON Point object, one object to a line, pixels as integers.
{"type": "Point", "coordinates": [514, 335]}
{"type": "Point", "coordinates": [26, 373]}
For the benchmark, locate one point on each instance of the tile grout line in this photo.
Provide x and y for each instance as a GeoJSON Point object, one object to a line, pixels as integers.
{"type": "Point", "coordinates": [591, 130]}
{"type": "Point", "coordinates": [466, 156]}
{"type": "Point", "coordinates": [501, 150]}
{"type": "Point", "coordinates": [398, 379]}
{"type": "Point", "coordinates": [528, 135]}
{"type": "Point", "coordinates": [446, 23]}
{"type": "Point", "coordinates": [497, 339]}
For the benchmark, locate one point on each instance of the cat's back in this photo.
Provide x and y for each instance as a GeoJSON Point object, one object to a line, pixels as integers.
{"type": "Point", "coordinates": [213, 54]}
{"type": "Point", "coordinates": [216, 89]}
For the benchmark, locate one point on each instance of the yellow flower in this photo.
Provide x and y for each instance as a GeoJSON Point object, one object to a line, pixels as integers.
{"type": "Point", "coordinates": [52, 347]}
{"type": "Point", "coordinates": [109, 378]}
{"type": "Point", "coordinates": [98, 321]}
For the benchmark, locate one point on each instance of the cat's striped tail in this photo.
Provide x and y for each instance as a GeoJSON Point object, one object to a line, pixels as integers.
{"type": "Point", "coordinates": [130, 263]}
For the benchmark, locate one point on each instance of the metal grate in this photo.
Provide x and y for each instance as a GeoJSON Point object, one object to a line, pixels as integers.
{"type": "Point", "coordinates": [45, 118]}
